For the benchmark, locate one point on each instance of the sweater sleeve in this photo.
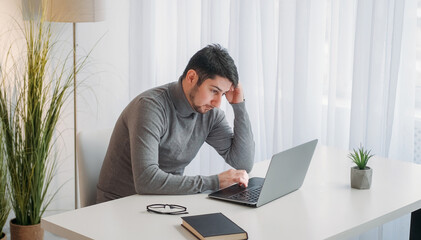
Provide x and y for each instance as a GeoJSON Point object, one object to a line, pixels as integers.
{"type": "Point", "coordinates": [237, 148]}
{"type": "Point", "coordinates": [146, 125]}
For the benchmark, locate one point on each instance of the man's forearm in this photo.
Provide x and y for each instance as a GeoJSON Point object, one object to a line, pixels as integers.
{"type": "Point", "coordinates": [155, 181]}
{"type": "Point", "coordinates": [241, 155]}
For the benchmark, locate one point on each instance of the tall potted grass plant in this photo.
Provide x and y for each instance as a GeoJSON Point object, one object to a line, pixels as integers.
{"type": "Point", "coordinates": [4, 201]}
{"type": "Point", "coordinates": [32, 94]}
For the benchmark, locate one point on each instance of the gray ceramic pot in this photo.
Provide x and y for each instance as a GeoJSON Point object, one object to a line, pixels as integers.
{"type": "Point", "coordinates": [361, 179]}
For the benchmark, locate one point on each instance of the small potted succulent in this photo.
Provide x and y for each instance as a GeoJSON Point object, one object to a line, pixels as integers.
{"type": "Point", "coordinates": [361, 174]}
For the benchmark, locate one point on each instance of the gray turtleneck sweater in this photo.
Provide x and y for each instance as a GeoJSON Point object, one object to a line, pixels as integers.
{"type": "Point", "coordinates": [158, 134]}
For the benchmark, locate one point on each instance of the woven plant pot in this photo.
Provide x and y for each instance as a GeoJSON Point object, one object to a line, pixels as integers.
{"type": "Point", "coordinates": [3, 236]}
{"type": "Point", "coordinates": [23, 232]}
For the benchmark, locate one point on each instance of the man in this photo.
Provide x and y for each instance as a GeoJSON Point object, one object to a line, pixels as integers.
{"type": "Point", "coordinates": [160, 132]}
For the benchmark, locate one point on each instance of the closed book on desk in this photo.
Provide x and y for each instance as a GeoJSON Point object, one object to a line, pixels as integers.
{"type": "Point", "coordinates": [213, 226]}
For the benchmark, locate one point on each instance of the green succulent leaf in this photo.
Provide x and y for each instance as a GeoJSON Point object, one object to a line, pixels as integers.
{"type": "Point", "coordinates": [360, 157]}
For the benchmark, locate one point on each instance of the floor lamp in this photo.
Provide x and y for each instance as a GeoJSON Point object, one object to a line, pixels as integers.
{"type": "Point", "coordinates": [75, 11]}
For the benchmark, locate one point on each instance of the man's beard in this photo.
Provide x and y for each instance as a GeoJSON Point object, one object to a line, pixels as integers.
{"type": "Point", "coordinates": [192, 96]}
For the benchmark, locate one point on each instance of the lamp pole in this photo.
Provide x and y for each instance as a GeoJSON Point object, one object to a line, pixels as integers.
{"type": "Point", "coordinates": [75, 112]}
{"type": "Point", "coordinates": [75, 11]}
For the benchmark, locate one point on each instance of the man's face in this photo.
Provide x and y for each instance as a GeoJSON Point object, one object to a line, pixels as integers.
{"type": "Point", "coordinates": [209, 94]}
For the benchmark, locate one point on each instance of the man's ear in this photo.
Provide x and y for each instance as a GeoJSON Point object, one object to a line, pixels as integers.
{"type": "Point", "coordinates": [192, 76]}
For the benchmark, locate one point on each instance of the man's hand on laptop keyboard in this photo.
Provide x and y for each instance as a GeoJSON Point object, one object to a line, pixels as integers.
{"type": "Point", "coordinates": [233, 176]}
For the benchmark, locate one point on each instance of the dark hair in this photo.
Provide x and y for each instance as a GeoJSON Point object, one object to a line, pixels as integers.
{"type": "Point", "coordinates": [212, 61]}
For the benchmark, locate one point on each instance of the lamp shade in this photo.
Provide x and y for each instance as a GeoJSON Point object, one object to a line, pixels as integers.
{"type": "Point", "coordinates": [75, 10]}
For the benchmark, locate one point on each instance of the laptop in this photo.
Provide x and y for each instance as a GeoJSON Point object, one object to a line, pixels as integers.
{"type": "Point", "coordinates": [285, 174]}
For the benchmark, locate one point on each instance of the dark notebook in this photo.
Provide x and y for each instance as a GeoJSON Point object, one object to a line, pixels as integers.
{"type": "Point", "coordinates": [213, 226]}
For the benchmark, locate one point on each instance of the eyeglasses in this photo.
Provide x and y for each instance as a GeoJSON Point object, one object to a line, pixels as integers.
{"type": "Point", "coordinates": [171, 209]}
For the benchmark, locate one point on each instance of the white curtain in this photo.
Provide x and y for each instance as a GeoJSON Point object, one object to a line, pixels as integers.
{"type": "Point", "coordinates": [339, 71]}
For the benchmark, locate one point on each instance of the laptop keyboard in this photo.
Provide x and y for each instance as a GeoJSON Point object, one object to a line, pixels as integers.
{"type": "Point", "coordinates": [250, 195]}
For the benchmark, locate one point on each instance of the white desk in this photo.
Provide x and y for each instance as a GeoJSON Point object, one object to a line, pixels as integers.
{"type": "Point", "coordinates": [324, 208]}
